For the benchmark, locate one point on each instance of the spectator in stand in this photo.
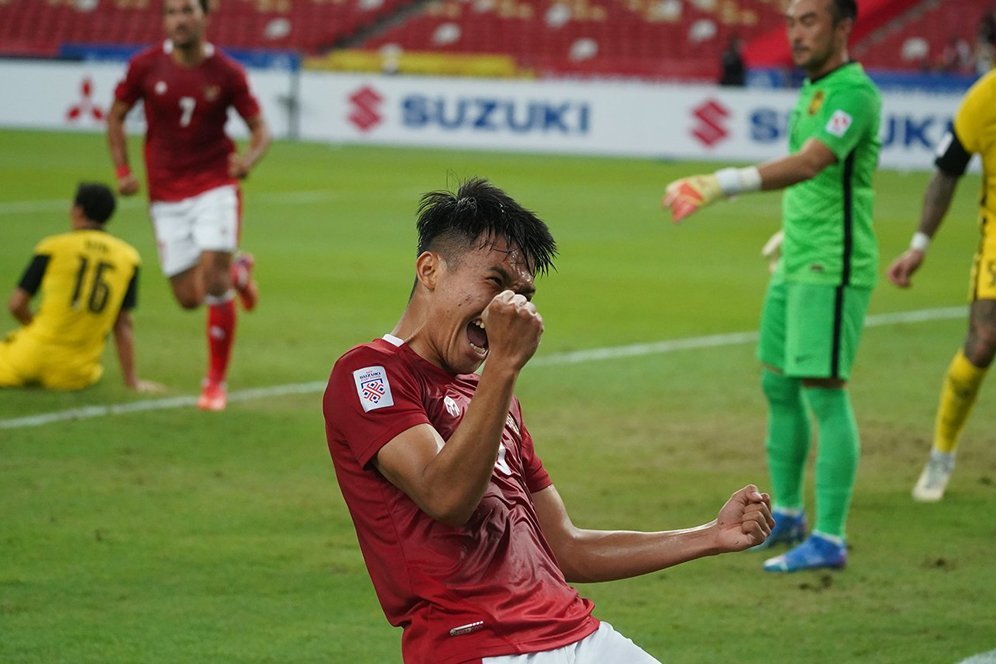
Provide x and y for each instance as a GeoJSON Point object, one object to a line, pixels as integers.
{"type": "Point", "coordinates": [733, 70]}
{"type": "Point", "coordinates": [956, 58]}
{"type": "Point", "coordinates": [985, 44]}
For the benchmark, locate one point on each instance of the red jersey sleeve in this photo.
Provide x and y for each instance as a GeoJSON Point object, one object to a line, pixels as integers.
{"type": "Point", "coordinates": [533, 471]}
{"type": "Point", "coordinates": [372, 396]}
{"type": "Point", "coordinates": [129, 89]}
{"type": "Point", "coordinates": [242, 98]}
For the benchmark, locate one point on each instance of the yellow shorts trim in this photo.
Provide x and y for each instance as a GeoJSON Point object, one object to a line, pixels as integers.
{"type": "Point", "coordinates": [982, 283]}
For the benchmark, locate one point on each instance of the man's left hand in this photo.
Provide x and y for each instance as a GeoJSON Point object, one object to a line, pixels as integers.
{"type": "Point", "coordinates": [745, 520]}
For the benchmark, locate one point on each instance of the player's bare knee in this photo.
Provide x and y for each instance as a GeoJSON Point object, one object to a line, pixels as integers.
{"type": "Point", "coordinates": [187, 301]}
{"type": "Point", "coordinates": [980, 346]}
{"type": "Point", "coordinates": [217, 282]}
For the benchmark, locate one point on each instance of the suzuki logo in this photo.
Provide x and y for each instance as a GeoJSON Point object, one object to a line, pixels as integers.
{"type": "Point", "coordinates": [85, 107]}
{"type": "Point", "coordinates": [710, 128]}
{"type": "Point", "coordinates": [364, 115]}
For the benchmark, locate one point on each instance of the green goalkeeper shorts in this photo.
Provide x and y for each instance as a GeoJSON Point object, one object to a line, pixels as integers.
{"type": "Point", "coordinates": [812, 330]}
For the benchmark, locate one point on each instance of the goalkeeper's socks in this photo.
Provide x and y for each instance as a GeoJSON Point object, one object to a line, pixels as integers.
{"type": "Point", "coordinates": [836, 458]}
{"type": "Point", "coordinates": [788, 437]}
{"type": "Point", "coordinates": [958, 394]}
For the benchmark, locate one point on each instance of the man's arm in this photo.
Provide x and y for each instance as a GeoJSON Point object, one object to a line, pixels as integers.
{"type": "Point", "coordinates": [688, 195]}
{"type": "Point", "coordinates": [239, 165]}
{"type": "Point", "coordinates": [18, 306]}
{"type": "Point", "coordinates": [124, 341]}
{"type": "Point", "coordinates": [19, 303]}
{"type": "Point", "coordinates": [936, 201]}
{"type": "Point", "coordinates": [117, 145]}
{"type": "Point", "coordinates": [605, 555]}
{"type": "Point", "coordinates": [792, 169]}
{"type": "Point", "coordinates": [447, 481]}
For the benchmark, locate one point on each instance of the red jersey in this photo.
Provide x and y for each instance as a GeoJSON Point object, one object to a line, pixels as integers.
{"type": "Point", "coordinates": [186, 108]}
{"type": "Point", "coordinates": [491, 587]}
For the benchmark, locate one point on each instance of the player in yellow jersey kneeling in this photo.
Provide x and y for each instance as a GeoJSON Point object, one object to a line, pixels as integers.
{"type": "Point", "coordinates": [88, 280]}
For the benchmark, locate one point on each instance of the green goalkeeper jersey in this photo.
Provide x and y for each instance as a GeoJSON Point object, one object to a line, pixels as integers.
{"type": "Point", "coordinates": [827, 220]}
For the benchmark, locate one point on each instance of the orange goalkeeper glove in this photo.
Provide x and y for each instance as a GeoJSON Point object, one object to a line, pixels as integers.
{"type": "Point", "coordinates": [688, 195]}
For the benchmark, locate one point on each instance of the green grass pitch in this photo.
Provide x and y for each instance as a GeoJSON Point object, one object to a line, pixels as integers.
{"type": "Point", "coordinates": [180, 536]}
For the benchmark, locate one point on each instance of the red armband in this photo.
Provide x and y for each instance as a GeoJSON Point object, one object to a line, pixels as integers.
{"type": "Point", "coordinates": [122, 171]}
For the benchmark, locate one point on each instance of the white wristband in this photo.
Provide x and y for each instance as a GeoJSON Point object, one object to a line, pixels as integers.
{"type": "Point", "coordinates": [920, 242]}
{"type": "Point", "coordinates": [733, 181]}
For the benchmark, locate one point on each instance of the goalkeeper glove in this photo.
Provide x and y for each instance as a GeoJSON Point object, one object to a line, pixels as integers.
{"type": "Point", "coordinates": [687, 195]}
{"type": "Point", "coordinates": [772, 250]}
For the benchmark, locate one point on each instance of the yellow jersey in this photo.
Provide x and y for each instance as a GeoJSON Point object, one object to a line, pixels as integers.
{"type": "Point", "coordinates": [975, 129]}
{"type": "Point", "coordinates": [86, 277]}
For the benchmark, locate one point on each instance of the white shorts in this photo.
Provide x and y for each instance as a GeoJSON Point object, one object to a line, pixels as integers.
{"type": "Point", "coordinates": [208, 221]}
{"type": "Point", "coordinates": [605, 646]}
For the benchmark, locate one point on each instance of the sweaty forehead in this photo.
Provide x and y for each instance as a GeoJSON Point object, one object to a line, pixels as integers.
{"type": "Point", "coordinates": [510, 256]}
{"type": "Point", "coordinates": [487, 257]}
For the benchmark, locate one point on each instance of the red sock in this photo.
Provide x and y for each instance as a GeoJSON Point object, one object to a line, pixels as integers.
{"type": "Point", "coordinates": [221, 336]}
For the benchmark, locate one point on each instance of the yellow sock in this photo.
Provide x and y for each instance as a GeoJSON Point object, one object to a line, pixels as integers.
{"type": "Point", "coordinates": [961, 386]}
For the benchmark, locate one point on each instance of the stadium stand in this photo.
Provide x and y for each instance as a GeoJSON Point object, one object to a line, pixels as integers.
{"type": "Point", "coordinates": [307, 26]}
{"type": "Point", "coordinates": [932, 36]}
{"type": "Point", "coordinates": [652, 39]}
{"type": "Point", "coordinates": [647, 38]}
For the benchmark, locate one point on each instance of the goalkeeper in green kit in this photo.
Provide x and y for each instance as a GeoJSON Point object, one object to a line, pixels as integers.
{"type": "Point", "coordinates": [818, 296]}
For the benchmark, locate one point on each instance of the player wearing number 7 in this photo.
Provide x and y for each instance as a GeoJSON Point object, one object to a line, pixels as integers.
{"type": "Point", "coordinates": [187, 87]}
{"type": "Point", "coordinates": [88, 281]}
{"type": "Point", "coordinates": [818, 295]}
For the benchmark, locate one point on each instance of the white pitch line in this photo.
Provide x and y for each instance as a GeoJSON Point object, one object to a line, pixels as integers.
{"type": "Point", "coordinates": [89, 412]}
{"type": "Point", "coordinates": [58, 205]}
{"type": "Point", "coordinates": [556, 359]}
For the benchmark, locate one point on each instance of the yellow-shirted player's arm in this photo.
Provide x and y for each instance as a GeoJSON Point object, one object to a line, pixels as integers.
{"type": "Point", "coordinates": [19, 303]}
{"type": "Point", "coordinates": [18, 306]}
{"type": "Point", "coordinates": [124, 343]}
{"type": "Point", "coordinates": [953, 155]}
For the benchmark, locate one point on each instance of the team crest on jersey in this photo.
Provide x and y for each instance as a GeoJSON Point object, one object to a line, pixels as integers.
{"type": "Point", "coordinates": [211, 92]}
{"type": "Point", "coordinates": [839, 123]}
{"type": "Point", "coordinates": [373, 388]}
{"type": "Point", "coordinates": [160, 87]}
{"type": "Point", "coordinates": [816, 103]}
{"type": "Point", "coordinates": [451, 406]}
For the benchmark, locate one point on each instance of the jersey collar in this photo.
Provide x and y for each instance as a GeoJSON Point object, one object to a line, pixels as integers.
{"type": "Point", "coordinates": [208, 48]}
{"type": "Point", "coordinates": [393, 340]}
{"type": "Point", "coordinates": [833, 71]}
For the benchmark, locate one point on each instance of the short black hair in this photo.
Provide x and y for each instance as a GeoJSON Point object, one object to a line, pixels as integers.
{"type": "Point", "coordinates": [842, 9]}
{"type": "Point", "coordinates": [478, 214]}
{"type": "Point", "coordinates": [205, 6]}
{"type": "Point", "coordinates": [96, 200]}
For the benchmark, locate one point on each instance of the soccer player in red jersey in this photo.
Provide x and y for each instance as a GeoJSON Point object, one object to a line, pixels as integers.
{"type": "Point", "coordinates": [469, 546]}
{"type": "Point", "coordinates": [193, 170]}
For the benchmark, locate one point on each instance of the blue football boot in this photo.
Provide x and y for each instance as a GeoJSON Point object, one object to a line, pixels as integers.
{"type": "Point", "coordinates": [817, 552]}
{"type": "Point", "coordinates": [789, 529]}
